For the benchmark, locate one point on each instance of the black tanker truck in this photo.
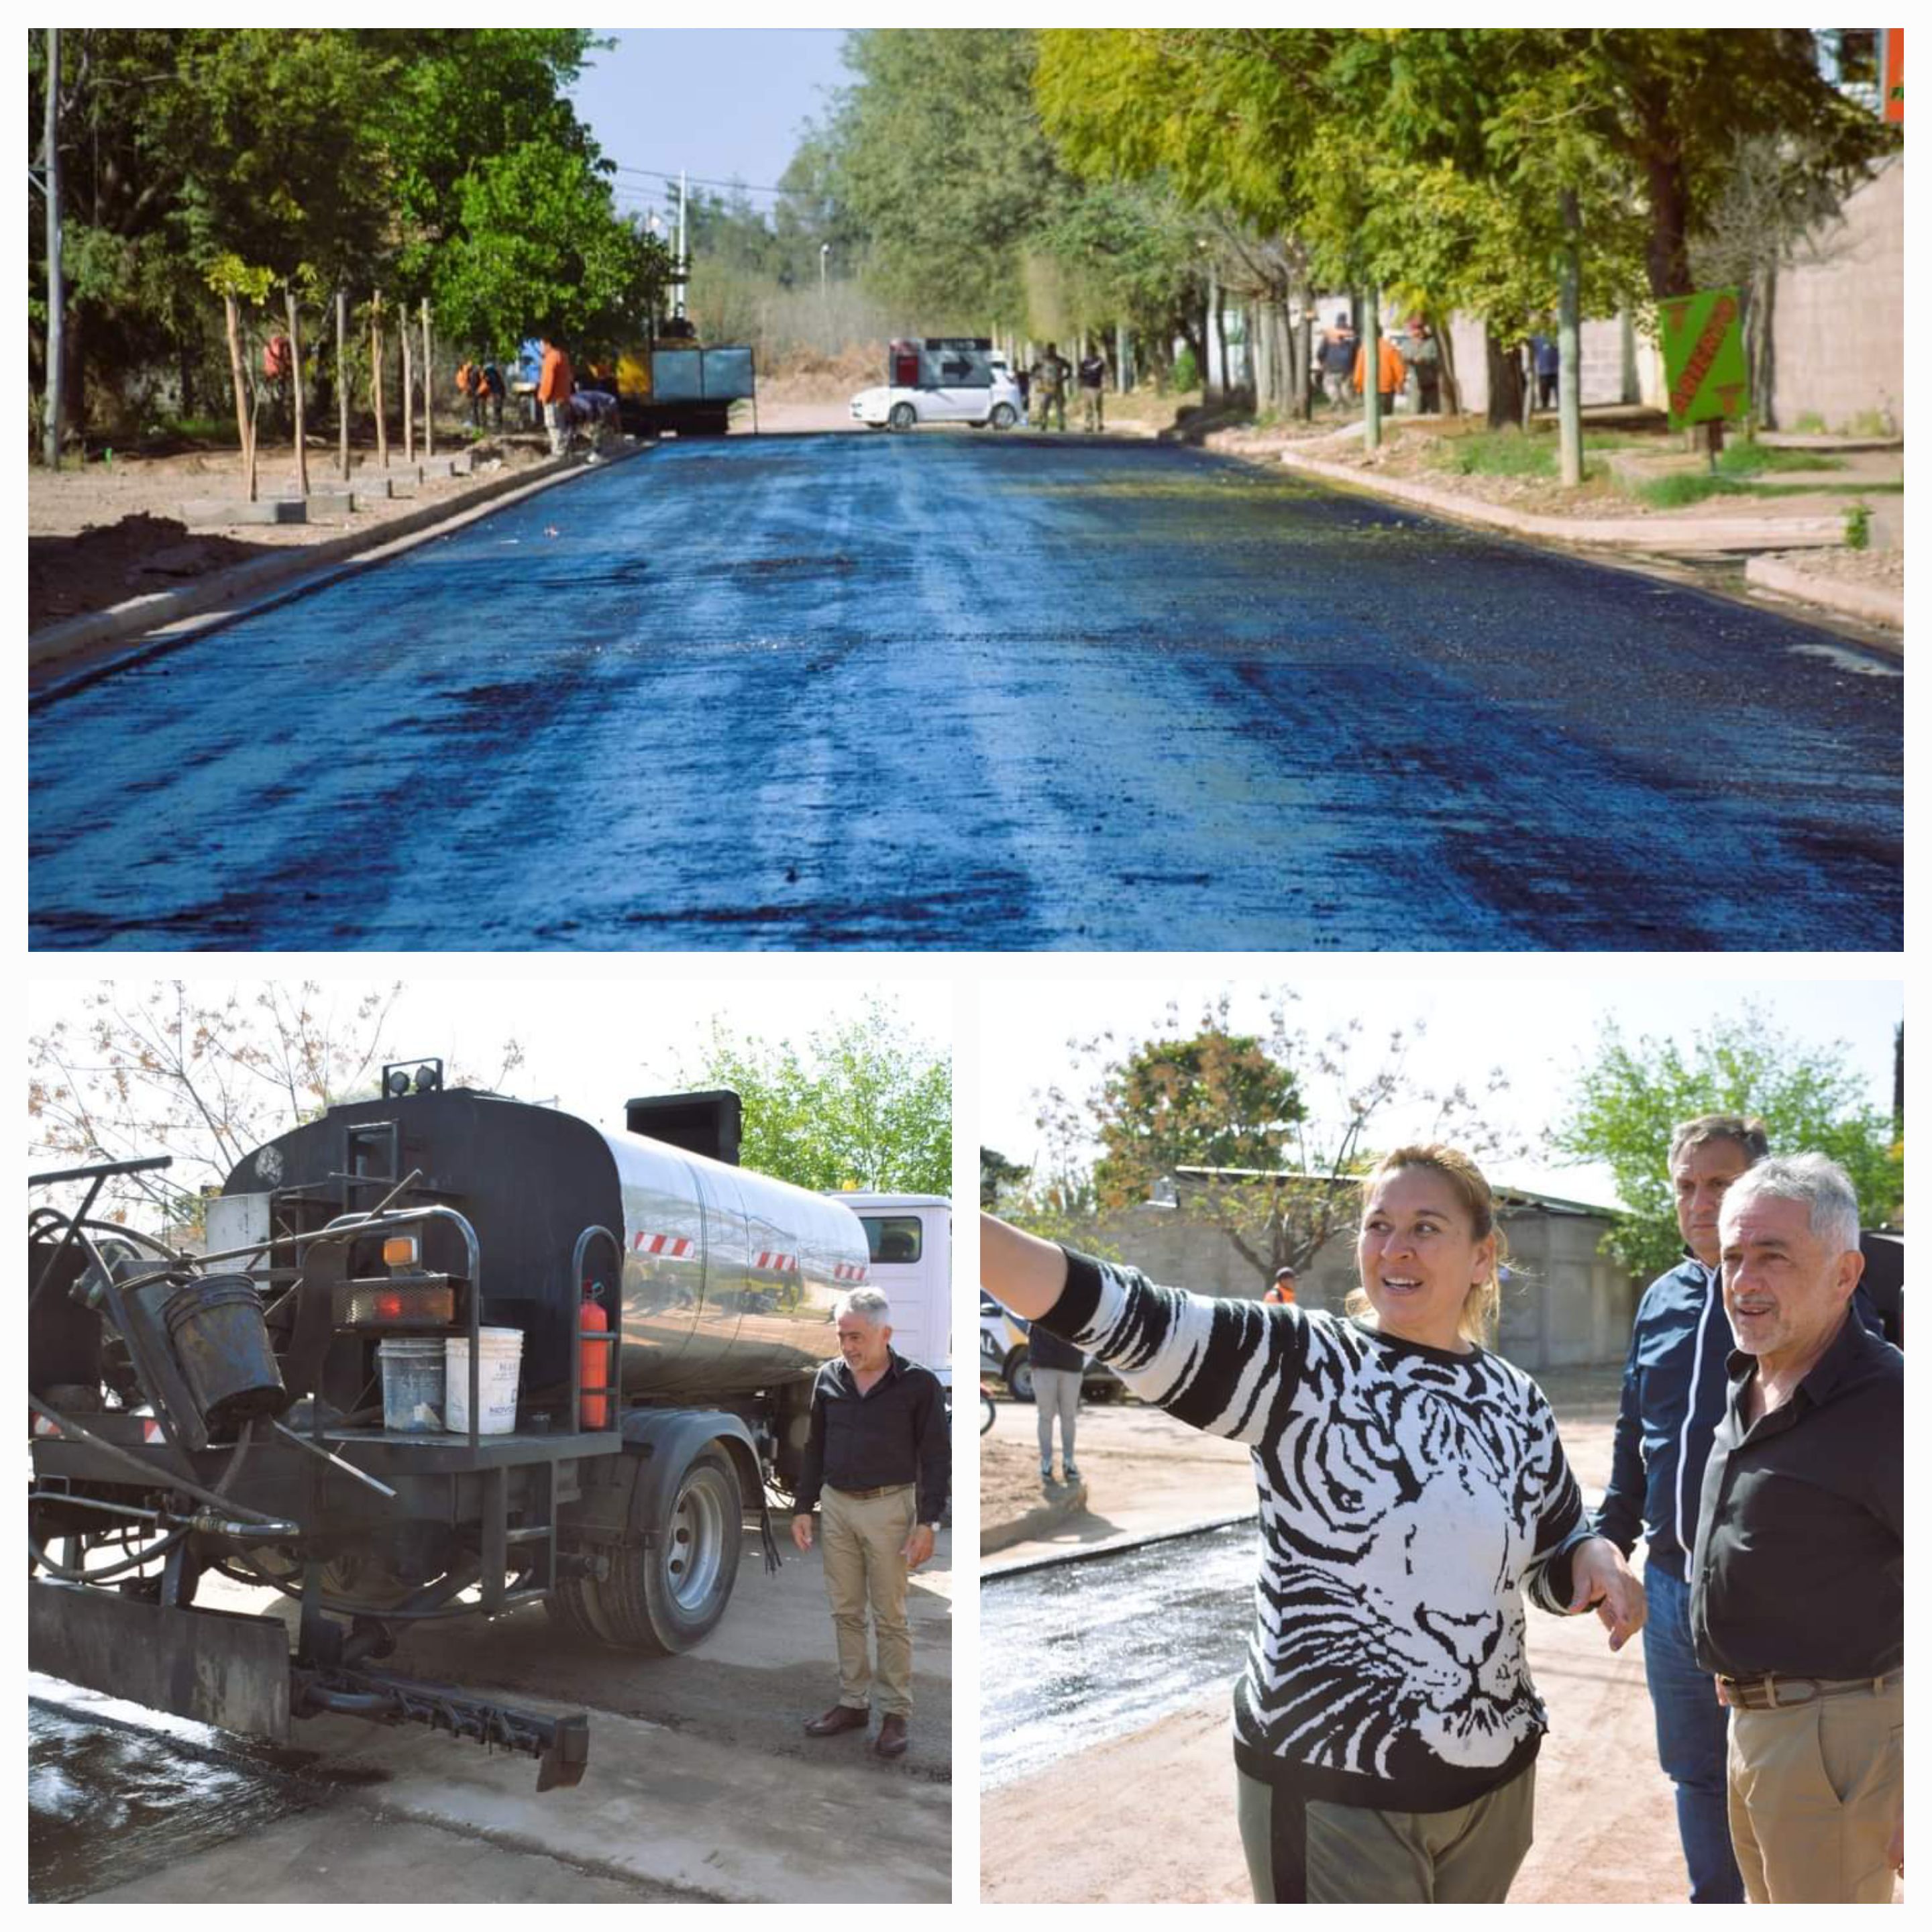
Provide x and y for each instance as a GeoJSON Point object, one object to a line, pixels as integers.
{"type": "Point", "coordinates": [224, 1412]}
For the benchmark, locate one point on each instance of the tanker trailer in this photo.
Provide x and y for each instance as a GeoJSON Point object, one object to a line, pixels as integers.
{"type": "Point", "coordinates": [226, 1413]}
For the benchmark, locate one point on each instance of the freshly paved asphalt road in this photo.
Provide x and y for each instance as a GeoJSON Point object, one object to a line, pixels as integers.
{"type": "Point", "coordinates": [951, 690]}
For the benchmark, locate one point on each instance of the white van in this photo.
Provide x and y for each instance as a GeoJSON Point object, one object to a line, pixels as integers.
{"type": "Point", "coordinates": [910, 1238]}
{"type": "Point", "coordinates": [942, 378]}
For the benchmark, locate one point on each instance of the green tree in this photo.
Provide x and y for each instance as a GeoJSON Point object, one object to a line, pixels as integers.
{"type": "Point", "coordinates": [1272, 1125]}
{"type": "Point", "coordinates": [861, 1105]}
{"type": "Point", "coordinates": [206, 1074]}
{"type": "Point", "coordinates": [1625, 1102]}
{"type": "Point", "coordinates": [938, 154]}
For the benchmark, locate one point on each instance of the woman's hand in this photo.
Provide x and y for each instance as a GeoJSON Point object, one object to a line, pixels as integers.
{"type": "Point", "coordinates": [1601, 1578]}
{"type": "Point", "coordinates": [1020, 1271]}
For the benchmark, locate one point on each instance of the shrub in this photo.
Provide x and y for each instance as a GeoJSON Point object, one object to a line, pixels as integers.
{"type": "Point", "coordinates": [1186, 373]}
{"type": "Point", "coordinates": [1858, 527]}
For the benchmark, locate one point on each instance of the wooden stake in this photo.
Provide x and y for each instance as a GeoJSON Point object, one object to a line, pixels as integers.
{"type": "Point", "coordinates": [243, 427]}
{"type": "Point", "coordinates": [376, 381]}
{"type": "Point", "coordinates": [342, 376]}
{"type": "Point", "coordinates": [429, 386]}
{"type": "Point", "coordinates": [295, 391]}
{"type": "Point", "coordinates": [409, 394]}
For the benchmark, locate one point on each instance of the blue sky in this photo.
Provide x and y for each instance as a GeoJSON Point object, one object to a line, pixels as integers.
{"type": "Point", "coordinates": [723, 103]}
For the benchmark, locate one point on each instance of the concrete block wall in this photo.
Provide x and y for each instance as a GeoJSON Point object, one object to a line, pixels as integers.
{"type": "Point", "coordinates": [1564, 1304]}
{"type": "Point", "coordinates": [1838, 323]}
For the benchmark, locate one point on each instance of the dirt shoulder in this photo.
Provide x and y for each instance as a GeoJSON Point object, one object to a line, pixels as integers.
{"type": "Point", "coordinates": [100, 534]}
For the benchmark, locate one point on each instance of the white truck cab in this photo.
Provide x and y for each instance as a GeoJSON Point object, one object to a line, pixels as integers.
{"type": "Point", "coordinates": [911, 1239]}
{"type": "Point", "coordinates": [942, 378]}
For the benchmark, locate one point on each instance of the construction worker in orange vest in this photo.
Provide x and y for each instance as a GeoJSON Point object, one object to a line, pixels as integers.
{"type": "Point", "coordinates": [1283, 1290]}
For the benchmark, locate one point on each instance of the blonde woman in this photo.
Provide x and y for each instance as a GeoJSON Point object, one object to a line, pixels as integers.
{"type": "Point", "coordinates": [1412, 1491]}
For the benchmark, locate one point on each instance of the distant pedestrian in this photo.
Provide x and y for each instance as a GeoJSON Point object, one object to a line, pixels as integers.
{"type": "Point", "coordinates": [470, 387]}
{"type": "Point", "coordinates": [1049, 389]}
{"type": "Point", "coordinates": [594, 412]}
{"type": "Point", "coordinates": [555, 386]}
{"type": "Point", "coordinates": [277, 369]}
{"type": "Point", "coordinates": [1282, 1293]}
{"type": "Point", "coordinates": [1388, 372]}
{"type": "Point", "coordinates": [1423, 355]}
{"type": "Point", "coordinates": [492, 377]}
{"type": "Point", "coordinates": [1057, 1370]}
{"type": "Point", "coordinates": [1023, 377]}
{"type": "Point", "coordinates": [1093, 381]}
{"type": "Point", "coordinates": [1547, 359]}
{"type": "Point", "coordinates": [1338, 360]}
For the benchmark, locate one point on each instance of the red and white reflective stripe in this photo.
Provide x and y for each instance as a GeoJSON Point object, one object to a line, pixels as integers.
{"type": "Point", "coordinates": [42, 1426]}
{"type": "Point", "coordinates": [676, 1245]}
{"type": "Point", "coordinates": [849, 1271]}
{"type": "Point", "coordinates": [151, 1431]}
{"type": "Point", "coordinates": [778, 1263]}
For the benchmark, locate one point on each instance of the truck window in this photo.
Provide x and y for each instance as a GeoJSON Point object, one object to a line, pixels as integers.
{"type": "Point", "coordinates": [893, 1237]}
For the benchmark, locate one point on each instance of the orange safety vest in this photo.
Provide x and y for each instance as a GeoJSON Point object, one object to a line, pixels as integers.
{"type": "Point", "coordinates": [1388, 361]}
{"type": "Point", "coordinates": [556, 384]}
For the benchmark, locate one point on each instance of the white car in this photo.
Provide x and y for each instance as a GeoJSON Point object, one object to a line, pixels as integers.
{"type": "Point", "coordinates": [995, 401]}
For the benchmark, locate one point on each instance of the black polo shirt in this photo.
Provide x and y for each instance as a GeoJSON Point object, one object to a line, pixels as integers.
{"type": "Point", "coordinates": [1799, 1568]}
{"type": "Point", "coordinates": [894, 1433]}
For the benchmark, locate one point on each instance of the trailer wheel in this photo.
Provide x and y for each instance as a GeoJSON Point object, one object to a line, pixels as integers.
{"type": "Point", "coordinates": [665, 1599]}
{"type": "Point", "coordinates": [903, 416]}
{"type": "Point", "coordinates": [1017, 1374]}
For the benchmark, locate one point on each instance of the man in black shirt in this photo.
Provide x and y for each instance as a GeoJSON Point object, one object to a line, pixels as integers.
{"type": "Point", "coordinates": [1797, 1601]}
{"type": "Point", "coordinates": [876, 1464]}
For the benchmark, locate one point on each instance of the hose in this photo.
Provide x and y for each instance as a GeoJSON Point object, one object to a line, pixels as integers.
{"type": "Point", "coordinates": [114, 1569]}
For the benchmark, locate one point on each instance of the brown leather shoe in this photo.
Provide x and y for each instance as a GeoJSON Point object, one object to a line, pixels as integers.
{"type": "Point", "coordinates": [892, 1740]}
{"type": "Point", "coordinates": [840, 1717]}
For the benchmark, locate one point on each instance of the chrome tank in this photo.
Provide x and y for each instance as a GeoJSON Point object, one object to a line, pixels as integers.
{"type": "Point", "coordinates": [729, 1276]}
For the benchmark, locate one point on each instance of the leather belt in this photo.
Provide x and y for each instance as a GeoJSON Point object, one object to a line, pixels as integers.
{"type": "Point", "coordinates": [1784, 1693]}
{"type": "Point", "coordinates": [866, 1495]}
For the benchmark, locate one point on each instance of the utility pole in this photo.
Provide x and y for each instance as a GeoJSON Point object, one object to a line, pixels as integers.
{"type": "Point", "coordinates": [1569, 349]}
{"type": "Point", "coordinates": [683, 257]}
{"type": "Point", "coordinates": [342, 377]}
{"type": "Point", "coordinates": [50, 451]}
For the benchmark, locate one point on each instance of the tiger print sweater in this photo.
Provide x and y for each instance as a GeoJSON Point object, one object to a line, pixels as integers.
{"type": "Point", "coordinates": [1409, 1497]}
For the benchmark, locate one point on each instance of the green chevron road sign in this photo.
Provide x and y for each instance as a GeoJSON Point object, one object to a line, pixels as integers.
{"type": "Point", "coordinates": [1704, 356]}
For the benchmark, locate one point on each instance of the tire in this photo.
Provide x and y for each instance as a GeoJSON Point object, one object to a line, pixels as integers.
{"type": "Point", "coordinates": [664, 1600]}
{"type": "Point", "coordinates": [903, 416]}
{"type": "Point", "coordinates": [1018, 1374]}
{"type": "Point", "coordinates": [1004, 415]}
{"type": "Point", "coordinates": [987, 1413]}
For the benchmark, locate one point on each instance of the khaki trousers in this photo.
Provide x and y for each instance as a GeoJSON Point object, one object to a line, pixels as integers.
{"type": "Point", "coordinates": [1815, 1790]}
{"type": "Point", "coordinates": [862, 1538]}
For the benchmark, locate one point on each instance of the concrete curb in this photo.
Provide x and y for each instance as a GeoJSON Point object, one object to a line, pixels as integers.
{"type": "Point", "coordinates": [1036, 1521]}
{"type": "Point", "coordinates": [166, 617]}
{"type": "Point", "coordinates": [1849, 600]}
{"type": "Point", "coordinates": [1681, 536]}
{"type": "Point", "coordinates": [1115, 1546]}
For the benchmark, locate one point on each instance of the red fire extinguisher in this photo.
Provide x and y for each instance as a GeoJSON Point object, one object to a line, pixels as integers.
{"type": "Point", "coordinates": [593, 1358]}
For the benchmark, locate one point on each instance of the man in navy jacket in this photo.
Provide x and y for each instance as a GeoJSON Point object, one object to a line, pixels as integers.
{"type": "Point", "coordinates": [1673, 1396]}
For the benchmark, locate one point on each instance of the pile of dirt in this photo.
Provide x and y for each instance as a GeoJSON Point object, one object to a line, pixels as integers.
{"type": "Point", "coordinates": [100, 533]}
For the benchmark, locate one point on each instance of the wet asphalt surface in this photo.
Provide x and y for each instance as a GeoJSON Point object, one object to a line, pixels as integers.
{"type": "Point", "coordinates": [1073, 1653]}
{"type": "Point", "coordinates": [983, 692]}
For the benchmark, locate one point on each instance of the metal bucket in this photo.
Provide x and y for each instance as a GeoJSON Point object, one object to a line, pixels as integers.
{"type": "Point", "coordinates": [215, 1327]}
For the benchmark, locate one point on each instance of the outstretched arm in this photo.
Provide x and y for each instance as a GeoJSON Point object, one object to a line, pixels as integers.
{"type": "Point", "coordinates": [1018, 1270]}
{"type": "Point", "coordinates": [1602, 1580]}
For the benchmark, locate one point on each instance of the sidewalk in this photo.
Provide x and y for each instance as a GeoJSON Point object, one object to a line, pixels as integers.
{"type": "Point", "coordinates": [1794, 543]}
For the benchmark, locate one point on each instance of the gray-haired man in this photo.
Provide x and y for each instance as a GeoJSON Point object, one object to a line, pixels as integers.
{"type": "Point", "coordinates": [877, 1466]}
{"type": "Point", "coordinates": [1797, 1579]}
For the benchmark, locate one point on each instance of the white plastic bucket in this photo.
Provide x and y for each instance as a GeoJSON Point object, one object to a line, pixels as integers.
{"type": "Point", "coordinates": [412, 1382]}
{"type": "Point", "coordinates": [499, 1355]}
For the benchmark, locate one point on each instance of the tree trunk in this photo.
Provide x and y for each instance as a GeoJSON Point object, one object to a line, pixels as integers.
{"type": "Point", "coordinates": [1506, 384]}
{"type": "Point", "coordinates": [1569, 341]}
{"type": "Point", "coordinates": [1372, 368]}
{"type": "Point", "coordinates": [245, 426]}
{"type": "Point", "coordinates": [375, 382]}
{"type": "Point", "coordinates": [1452, 390]}
{"type": "Point", "coordinates": [296, 394]}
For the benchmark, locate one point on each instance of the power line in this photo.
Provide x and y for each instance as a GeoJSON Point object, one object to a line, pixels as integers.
{"type": "Point", "coordinates": [700, 181]}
